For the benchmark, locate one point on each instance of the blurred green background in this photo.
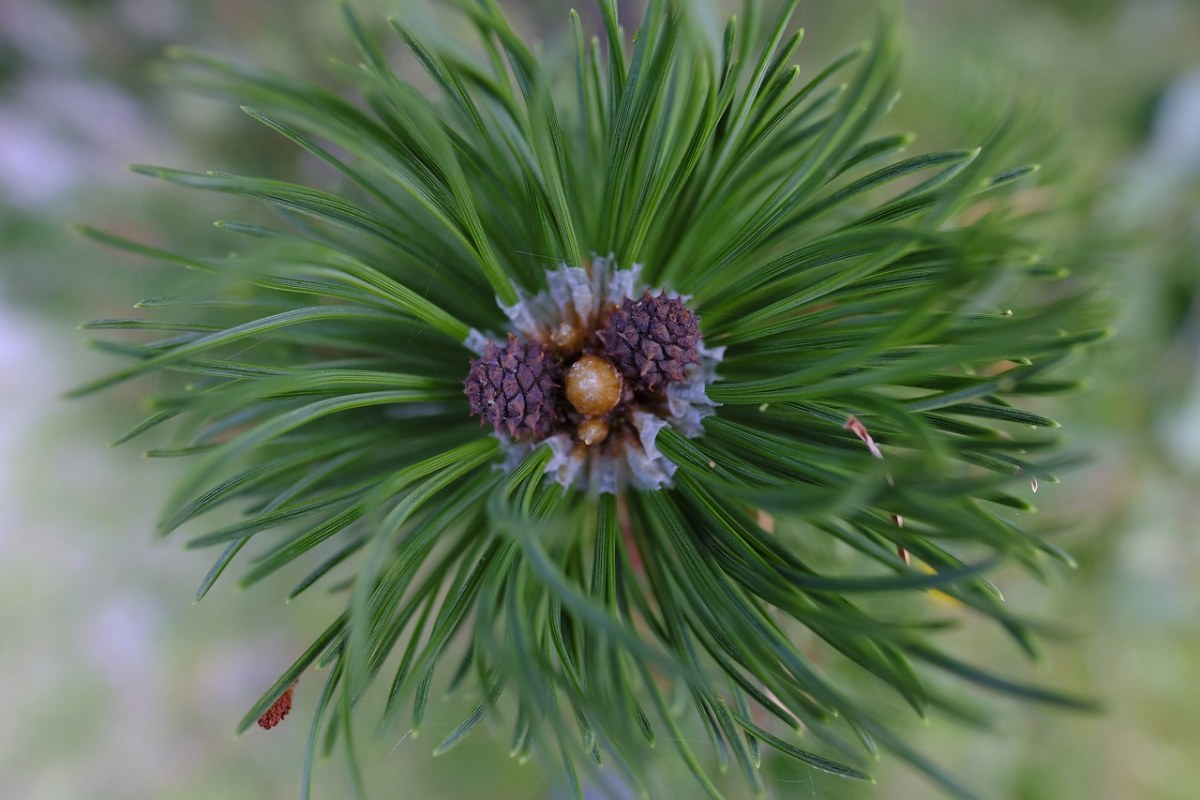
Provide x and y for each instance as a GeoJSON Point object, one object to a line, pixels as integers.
{"type": "Point", "coordinates": [116, 686]}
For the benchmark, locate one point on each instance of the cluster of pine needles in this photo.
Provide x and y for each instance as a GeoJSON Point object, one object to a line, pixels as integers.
{"type": "Point", "coordinates": [884, 319]}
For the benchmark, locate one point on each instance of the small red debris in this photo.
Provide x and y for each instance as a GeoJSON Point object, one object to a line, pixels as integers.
{"type": "Point", "coordinates": [278, 710]}
{"type": "Point", "coordinates": [860, 430]}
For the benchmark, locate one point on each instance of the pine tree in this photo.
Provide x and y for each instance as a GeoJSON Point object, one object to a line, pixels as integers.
{"type": "Point", "coordinates": [574, 383]}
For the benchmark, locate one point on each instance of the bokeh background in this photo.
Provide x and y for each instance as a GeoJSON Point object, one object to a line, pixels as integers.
{"type": "Point", "coordinates": [114, 685]}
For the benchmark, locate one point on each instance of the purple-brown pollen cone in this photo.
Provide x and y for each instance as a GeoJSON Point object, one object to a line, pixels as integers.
{"type": "Point", "coordinates": [652, 339]}
{"type": "Point", "coordinates": [516, 388]}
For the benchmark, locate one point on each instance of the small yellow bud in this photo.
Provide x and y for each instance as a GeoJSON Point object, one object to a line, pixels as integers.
{"type": "Point", "coordinates": [567, 338]}
{"type": "Point", "coordinates": [593, 430]}
{"type": "Point", "coordinates": [593, 386]}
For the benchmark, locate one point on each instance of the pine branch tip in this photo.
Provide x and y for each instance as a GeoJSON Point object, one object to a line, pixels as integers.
{"type": "Point", "coordinates": [493, 211]}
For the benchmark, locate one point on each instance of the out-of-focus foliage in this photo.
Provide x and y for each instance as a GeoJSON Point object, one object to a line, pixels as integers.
{"type": "Point", "coordinates": [111, 691]}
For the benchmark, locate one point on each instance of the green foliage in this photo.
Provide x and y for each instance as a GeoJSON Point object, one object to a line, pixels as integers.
{"type": "Point", "coordinates": [318, 386]}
